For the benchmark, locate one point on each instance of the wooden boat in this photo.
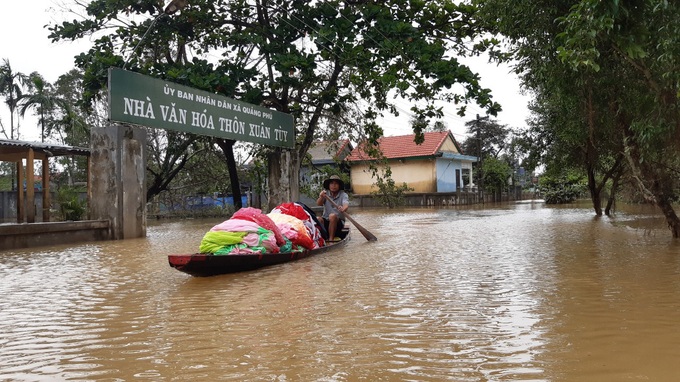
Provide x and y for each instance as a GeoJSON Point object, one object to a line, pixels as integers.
{"type": "Point", "coordinates": [206, 264]}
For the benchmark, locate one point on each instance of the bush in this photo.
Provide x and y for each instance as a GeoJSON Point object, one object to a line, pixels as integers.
{"type": "Point", "coordinates": [561, 190]}
{"type": "Point", "coordinates": [389, 194]}
{"type": "Point", "coordinates": [71, 206]}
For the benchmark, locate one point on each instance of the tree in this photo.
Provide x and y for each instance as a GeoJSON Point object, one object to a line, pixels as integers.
{"type": "Point", "coordinates": [424, 125]}
{"type": "Point", "coordinates": [41, 98]}
{"type": "Point", "coordinates": [69, 124]}
{"type": "Point", "coordinates": [643, 37]}
{"type": "Point", "coordinates": [496, 173]}
{"type": "Point", "coordinates": [227, 146]}
{"type": "Point", "coordinates": [564, 187]}
{"type": "Point", "coordinates": [168, 154]}
{"type": "Point", "coordinates": [11, 87]}
{"type": "Point", "coordinates": [487, 140]}
{"type": "Point", "coordinates": [307, 59]}
{"type": "Point", "coordinates": [575, 127]}
{"type": "Point", "coordinates": [388, 193]}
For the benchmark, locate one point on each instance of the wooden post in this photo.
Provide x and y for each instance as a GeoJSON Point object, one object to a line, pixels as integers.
{"type": "Point", "coordinates": [30, 188]}
{"type": "Point", "coordinates": [20, 191]}
{"type": "Point", "coordinates": [45, 189]}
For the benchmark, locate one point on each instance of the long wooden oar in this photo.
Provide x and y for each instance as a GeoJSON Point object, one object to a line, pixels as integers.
{"type": "Point", "coordinates": [369, 236]}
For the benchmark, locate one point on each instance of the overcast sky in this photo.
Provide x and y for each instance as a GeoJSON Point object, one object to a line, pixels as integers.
{"type": "Point", "coordinates": [25, 44]}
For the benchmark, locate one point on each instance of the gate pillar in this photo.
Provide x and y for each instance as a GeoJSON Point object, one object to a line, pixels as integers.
{"type": "Point", "coordinates": [118, 179]}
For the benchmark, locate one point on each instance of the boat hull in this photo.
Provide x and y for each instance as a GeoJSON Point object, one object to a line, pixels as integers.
{"type": "Point", "coordinates": [202, 264]}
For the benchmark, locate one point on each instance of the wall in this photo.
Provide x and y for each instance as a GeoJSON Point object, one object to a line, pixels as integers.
{"type": "Point", "coordinates": [449, 147]}
{"type": "Point", "coordinates": [15, 236]}
{"type": "Point", "coordinates": [423, 199]}
{"type": "Point", "coordinates": [8, 205]}
{"type": "Point", "coordinates": [418, 174]}
{"type": "Point", "coordinates": [447, 199]}
{"type": "Point", "coordinates": [446, 175]}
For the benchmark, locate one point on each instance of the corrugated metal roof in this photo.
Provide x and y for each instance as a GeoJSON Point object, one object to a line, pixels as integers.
{"type": "Point", "coordinates": [329, 151]}
{"type": "Point", "coordinates": [10, 150]}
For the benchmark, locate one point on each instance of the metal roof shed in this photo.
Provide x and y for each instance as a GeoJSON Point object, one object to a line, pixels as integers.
{"type": "Point", "coordinates": [16, 151]}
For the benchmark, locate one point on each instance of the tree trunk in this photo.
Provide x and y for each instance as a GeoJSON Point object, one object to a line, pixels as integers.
{"type": "Point", "coordinates": [173, 162]}
{"type": "Point", "coordinates": [592, 157]}
{"type": "Point", "coordinates": [227, 146]}
{"type": "Point", "coordinates": [612, 194]}
{"type": "Point", "coordinates": [284, 175]}
{"type": "Point", "coordinates": [594, 190]}
{"type": "Point", "coordinates": [671, 217]}
{"type": "Point", "coordinates": [651, 182]}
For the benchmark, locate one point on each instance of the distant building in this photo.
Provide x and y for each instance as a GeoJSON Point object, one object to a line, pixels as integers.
{"type": "Point", "coordinates": [321, 154]}
{"type": "Point", "coordinates": [436, 165]}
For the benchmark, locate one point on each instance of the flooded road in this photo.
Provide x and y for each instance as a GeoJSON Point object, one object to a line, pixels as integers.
{"type": "Point", "coordinates": [517, 292]}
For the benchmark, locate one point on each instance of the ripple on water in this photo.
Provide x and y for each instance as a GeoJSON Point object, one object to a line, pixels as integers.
{"type": "Point", "coordinates": [520, 292]}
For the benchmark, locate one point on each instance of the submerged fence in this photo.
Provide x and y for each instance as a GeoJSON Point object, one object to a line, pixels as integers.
{"type": "Point", "coordinates": [444, 199]}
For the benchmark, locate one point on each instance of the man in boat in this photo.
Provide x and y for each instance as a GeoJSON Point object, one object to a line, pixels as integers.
{"type": "Point", "coordinates": [332, 217]}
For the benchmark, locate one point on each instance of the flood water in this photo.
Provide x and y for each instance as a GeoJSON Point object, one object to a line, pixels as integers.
{"type": "Point", "coordinates": [516, 292]}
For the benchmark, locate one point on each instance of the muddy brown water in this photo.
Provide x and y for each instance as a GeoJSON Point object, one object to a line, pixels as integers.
{"type": "Point", "coordinates": [517, 292]}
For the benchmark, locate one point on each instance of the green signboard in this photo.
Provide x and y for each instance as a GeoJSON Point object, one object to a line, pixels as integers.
{"type": "Point", "coordinates": [147, 101]}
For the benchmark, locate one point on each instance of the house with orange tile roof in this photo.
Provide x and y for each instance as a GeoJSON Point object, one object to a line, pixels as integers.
{"type": "Point", "coordinates": [436, 165]}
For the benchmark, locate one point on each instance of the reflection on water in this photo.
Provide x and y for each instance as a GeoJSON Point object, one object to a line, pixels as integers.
{"type": "Point", "coordinates": [516, 292]}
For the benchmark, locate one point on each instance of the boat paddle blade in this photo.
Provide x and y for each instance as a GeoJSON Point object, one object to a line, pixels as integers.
{"type": "Point", "coordinates": [367, 234]}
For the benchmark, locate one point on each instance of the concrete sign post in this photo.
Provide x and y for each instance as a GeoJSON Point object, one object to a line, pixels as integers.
{"type": "Point", "coordinates": [118, 179]}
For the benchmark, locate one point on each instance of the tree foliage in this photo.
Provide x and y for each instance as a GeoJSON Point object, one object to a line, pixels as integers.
{"type": "Point", "coordinates": [564, 188]}
{"type": "Point", "coordinates": [389, 193]}
{"type": "Point", "coordinates": [312, 189]}
{"type": "Point", "coordinates": [605, 75]}
{"type": "Point", "coordinates": [41, 98]}
{"type": "Point", "coordinates": [311, 59]}
{"type": "Point", "coordinates": [496, 174]}
{"type": "Point", "coordinates": [490, 142]}
{"type": "Point", "coordinates": [487, 138]}
{"type": "Point", "coordinates": [12, 85]}
{"type": "Point", "coordinates": [641, 39]}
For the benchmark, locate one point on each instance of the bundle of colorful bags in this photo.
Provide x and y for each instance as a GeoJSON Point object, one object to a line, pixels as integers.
{"type": "Point", "coordinates": [290, 227]}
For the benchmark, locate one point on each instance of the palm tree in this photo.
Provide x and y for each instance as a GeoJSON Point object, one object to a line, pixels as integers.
{"type": "Point", "coordinates": [11, 84]}
{"type": "Point", "coordinates": [40, 98]}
